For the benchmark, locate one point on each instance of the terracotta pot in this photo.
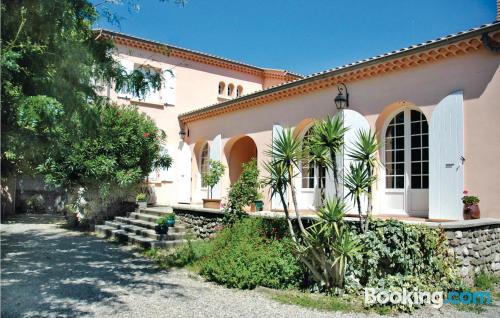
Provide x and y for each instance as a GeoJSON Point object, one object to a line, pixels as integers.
{"type": "Point", "coordinates": [211, 203]}
{"type": "Point", "coordinates": [471, 211]}
{"type": "Point", "coordinates": [252, 207]}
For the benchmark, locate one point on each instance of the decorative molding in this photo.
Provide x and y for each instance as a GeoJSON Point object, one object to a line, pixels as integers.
{"type": "Point", "coordinates": [201, 58]}
{"type": "Point", "coordinates": [315, 83]}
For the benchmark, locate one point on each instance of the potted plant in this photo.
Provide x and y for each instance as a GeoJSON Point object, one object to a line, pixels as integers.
{"type": "Point", "coordinates": [161, 226]}
{"type": "Point", "coordinates": [170, 219]}
{"type": "Point", "coordinates": [141, 200]}
{"type": "Point", "coordinates": [210, 179]}
{"type": "Point", "coordinates": [471, 207]}
{"type": "Point", "coordinates": [259, 204]}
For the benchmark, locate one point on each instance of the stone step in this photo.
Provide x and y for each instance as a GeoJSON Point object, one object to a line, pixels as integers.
{"type": "Point", "coordinates": [179, 227]}
{"type": "Point", "coordinates": [127, 237]}
{"type": "Point", "coordinates": [157, 211]}
{"type": "Point", "coordinates": [141, 231]}
{"type": "Point", "coordinates": [144, 217]}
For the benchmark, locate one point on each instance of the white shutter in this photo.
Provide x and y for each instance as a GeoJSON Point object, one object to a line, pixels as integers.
{"type": "Point", "coordinates": [276, 203]}
{"type": "Point", "coordinates": [164, 173]}
{"type": "Point", "coordinates": [215, 151]}
{"type": "Point", "coordinates": [129, 68]}
{"type": "Point", "coordinates": [446, 149]}
{"type": "Point", "coordinates": [355, 122]}
{"type": "Point", "coordinates": [184, 168]}
{"type": "Point", "coordinates": [168, 93]}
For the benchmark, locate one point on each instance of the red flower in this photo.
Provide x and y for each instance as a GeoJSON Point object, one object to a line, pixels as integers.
{"type": "Point", "coordinates": [146, 134]}
{"type": "Point", "coordinates": [466, 192]}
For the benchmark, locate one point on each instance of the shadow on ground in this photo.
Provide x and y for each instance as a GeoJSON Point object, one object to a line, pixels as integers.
{"type": "Point", "coordinates": [49, 271]}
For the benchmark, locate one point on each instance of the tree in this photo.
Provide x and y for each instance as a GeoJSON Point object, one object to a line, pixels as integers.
{"type": "Point", "coordinates": [326, 246]}
{"type": "Point", "coordinates": [53, 66]}
{"type": "Point", "coordinates": [211, 178]}
{"type": "Point", "coordinates": [365, 151]}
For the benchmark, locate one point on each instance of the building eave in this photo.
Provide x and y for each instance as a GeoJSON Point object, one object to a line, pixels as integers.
{"type": "Point", "coordinates": [430, 51]}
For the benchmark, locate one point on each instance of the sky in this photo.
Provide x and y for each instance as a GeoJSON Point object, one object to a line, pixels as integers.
{"type": "Point", "coordinates": [302, 36]}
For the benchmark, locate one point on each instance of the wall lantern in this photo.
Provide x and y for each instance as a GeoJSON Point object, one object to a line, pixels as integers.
{"type": "Point", "coordinates": [182, 133]}
{"type": "Point", "coordinates": [342, 101]}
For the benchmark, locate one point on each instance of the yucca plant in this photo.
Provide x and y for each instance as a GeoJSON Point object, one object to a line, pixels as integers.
{"type": "Point", "coordinates": [365, 151]}
{"type": "Point", "coordinates": [319, 158]}
{"type": "Point", "coordinates": [345, 249]}
{"type": "Point", "coordinates": [329, 134]}
{"type": "Point", "coordinates": [357, 181]}
{"type": "Point", "coordinates": [286, 153]}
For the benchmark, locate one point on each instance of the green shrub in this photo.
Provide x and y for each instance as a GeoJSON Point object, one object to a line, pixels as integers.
{"type": "Point", "coordinates": [243, 257]}
{"type": "Point", "coordinates": [399, 255]}
{"type": "Point", "coordinates": [243, 192]}
{"type": "Point", "coordinates": [141, 197]}
{"type": "Point", "coordinates": [185, 255]}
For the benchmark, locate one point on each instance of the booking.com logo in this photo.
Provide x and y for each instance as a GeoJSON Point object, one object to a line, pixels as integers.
{"type": "Point", "coordinates": [435, 299]}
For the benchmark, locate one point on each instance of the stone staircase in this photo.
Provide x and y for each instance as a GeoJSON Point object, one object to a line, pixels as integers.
{"type": "Point", "coordinates": [139, 228]}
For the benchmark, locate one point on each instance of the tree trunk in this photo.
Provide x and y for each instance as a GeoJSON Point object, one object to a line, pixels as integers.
{"type": "Point", "coordinates": [294, 200]}
{"type": "Point", "coordinates": [361, 222]}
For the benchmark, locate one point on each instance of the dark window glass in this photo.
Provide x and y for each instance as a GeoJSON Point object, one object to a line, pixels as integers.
{"type": "Point", "coordinates": [389, 182]}
{"type": "Point", "coordinates": [416, 168]}
{"type": "Point", "coordinates": [415, 155]}
{"type": "Point", "coordinates": [399, 168]}
{"type": "Point", "coordinates": [415, 116]}
{"type": "Point", "coordinates": [400, 118]}
{"type": "Point", "coordinates": [425, 167]}
{"type": "Point", "coordinates": [425, 154]}
{"type": "Point", "coordinates": [425, 127]}
{"type": "Point", "coordinates": [399, 143]}
{"type": "Point", "coordinates": [400, 130]}
{"type": "Point", "coordinates": [400, 182]}
{"type": "Point", "coordinates": [416, 182]}
{"type": "Point", "coordinates": [415, 128]}
{"type": "Point", "coordinates": [425, 140]}
{"type": "Point", "coordinates": [415, 141]}
{"type": "Point", "coordinates": [425, 182]}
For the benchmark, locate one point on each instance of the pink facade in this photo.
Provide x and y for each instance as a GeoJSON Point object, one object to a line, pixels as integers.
{"type": "Point", "coordinates": [414, 86]}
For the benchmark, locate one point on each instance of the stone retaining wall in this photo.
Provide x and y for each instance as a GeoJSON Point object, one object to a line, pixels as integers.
{"type": "Point", "coordinates": [475, 243]}
{"type": "Point", "coordinates": [203, 222]}
{"type": "Point", "coordinates": [476, 249]}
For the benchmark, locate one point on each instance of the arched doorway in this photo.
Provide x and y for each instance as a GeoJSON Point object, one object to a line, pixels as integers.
{"type": "Point", "coordinates": [406, 161]}
{"type": "Point", "coordinates": [242, 150]}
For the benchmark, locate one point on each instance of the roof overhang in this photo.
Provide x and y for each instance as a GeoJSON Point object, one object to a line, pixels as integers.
{"type": "Point", "coordinates": [424, 53]}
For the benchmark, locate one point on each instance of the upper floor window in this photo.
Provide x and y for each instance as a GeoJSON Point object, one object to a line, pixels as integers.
{"type": "Point", "coordinates": [230, 90]}
{"type": "Point", "coordinates": [222, 86]}
{"type": "Point", "coordinates": [239, 91]}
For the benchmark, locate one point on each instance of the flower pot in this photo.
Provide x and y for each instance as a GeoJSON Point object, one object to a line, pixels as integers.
{"type": "Point", "coordinates": [211, 203]}
{"type": "Point", "coordinates": [160, 229]}
{"type": "Point", "coordinates": [142, 204]}
{"type": "Point", "coordinates": [471, 211]}
{"type": "Point", "coordinates": [171, 222]}
{"type": "Point", "coordinates": [253, 207]}
{"type": "Point", "coordinates": [259, 205]}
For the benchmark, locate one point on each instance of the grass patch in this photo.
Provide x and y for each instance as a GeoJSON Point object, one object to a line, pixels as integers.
{"type": "Point", "coordinates": [483, 281]}
{"type": "Point", "coordinates": [317, 301]}
{"type": "Point", "coordinates": [184, 256]}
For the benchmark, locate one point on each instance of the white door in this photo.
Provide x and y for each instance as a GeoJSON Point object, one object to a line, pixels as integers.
{"type": "Point", "coordinates": [447, 150]}
{"type": "Point", "coordinates": [184, 166]}
{"type": "Point", "coordinates": [215, 154]}
{"type": "Point", "coordinates": [406, 161]}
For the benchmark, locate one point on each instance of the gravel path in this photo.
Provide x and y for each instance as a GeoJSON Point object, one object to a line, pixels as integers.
{"type": "Point", "coordinates": [48, 271]}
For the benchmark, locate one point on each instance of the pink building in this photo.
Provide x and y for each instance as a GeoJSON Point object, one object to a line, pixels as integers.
{"type": "Point", "coordinates": [435, 106]}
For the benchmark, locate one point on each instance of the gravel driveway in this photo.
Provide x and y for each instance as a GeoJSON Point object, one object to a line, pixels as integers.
{"type": "Point", "coordinates": [48, 271]}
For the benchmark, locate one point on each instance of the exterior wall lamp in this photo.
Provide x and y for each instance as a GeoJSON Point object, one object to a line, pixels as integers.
{"type": "Point", "coordinates": [182, 133]}
{"type": "Point", "coordinates": [341, 100]}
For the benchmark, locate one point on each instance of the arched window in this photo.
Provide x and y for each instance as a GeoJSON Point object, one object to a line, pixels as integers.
{"type": "Point", "coordinates": [222, 86]}
{"type": "Point", "coordinates": [230, 90]}
{"type": "Point", "coordinates": [311, 176]}
{"type": "Point", "coordinates": [239, 91]}
{"type": "Point", "coordinates": [204, 160]}
{"type": "Point", "coordinates": [407, 150]}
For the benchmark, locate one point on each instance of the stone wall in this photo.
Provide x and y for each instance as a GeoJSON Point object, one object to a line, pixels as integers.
{"type": "Point", "coordinates": [474, 243]}
{"type": "Point", "coordinates": [202, 222]}
{"type": "Point", "coordinates": [476, 248]}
